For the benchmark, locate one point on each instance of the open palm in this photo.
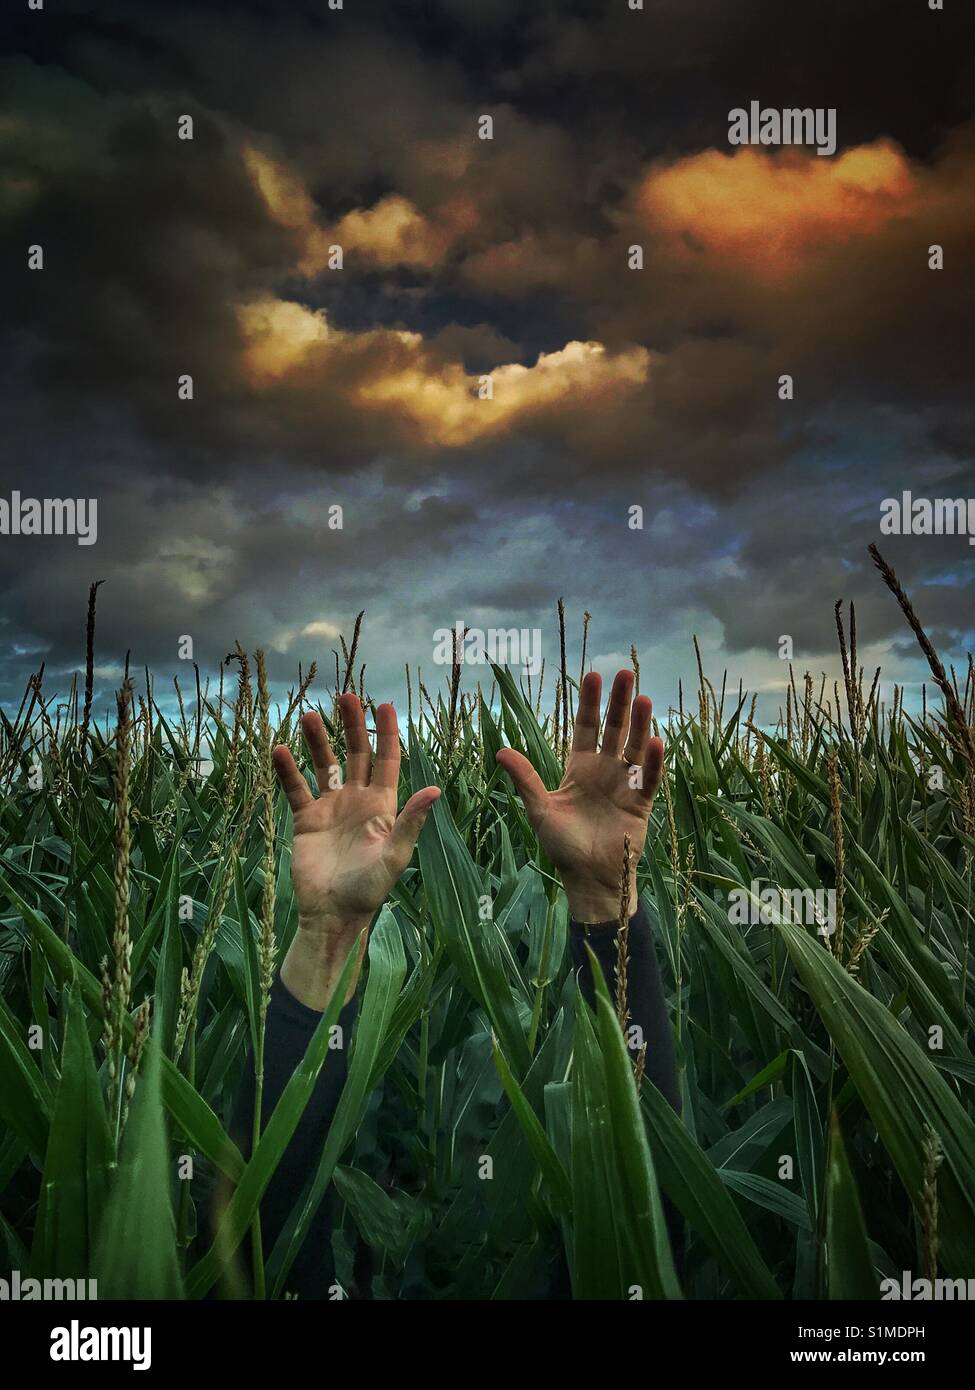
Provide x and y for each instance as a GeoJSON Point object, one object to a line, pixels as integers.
{"type": "Point", "coordinates": [604, 796]}
{"type": "Point", "coordinates": [350, 847]}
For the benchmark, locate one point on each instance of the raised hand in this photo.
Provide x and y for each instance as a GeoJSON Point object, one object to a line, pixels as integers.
{"type": "Point", "coordinates": [603, 797]}
{"type": "Point", "coordinates": [350, 847]}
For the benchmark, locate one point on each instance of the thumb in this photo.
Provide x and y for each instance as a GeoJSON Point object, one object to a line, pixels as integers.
{"type": "Point", "coordinates": [530, 786]}
{"type": "Point", "coordinates": [407, 826]}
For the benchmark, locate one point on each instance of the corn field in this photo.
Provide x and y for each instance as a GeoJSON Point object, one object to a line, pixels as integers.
{"type": "Point", "coordinates": [492, 1131]}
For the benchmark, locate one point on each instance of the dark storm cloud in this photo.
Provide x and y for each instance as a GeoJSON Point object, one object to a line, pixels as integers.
{"type": "Point", "coordinates": [165, 257]}
{"type": "Point", "coordinates": [801, 543]}
{"type": "Point", "coordinates": [168, 239]}
{"type": "Point", "coordinates": [217, 566]}
{"type": "Point", "coordinates": [674, 69]}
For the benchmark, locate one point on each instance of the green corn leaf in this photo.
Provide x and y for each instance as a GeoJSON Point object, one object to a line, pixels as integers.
{"type": "Point", "coordinates": [195, 1118]}
{"type": "Point", "coordinates": [389, 1223]}
{"type": "Point", "coordinates": [78, 1161]}
{"type": "Point", "coordinates": [453, 892]}
{"type": "Point", "coordinates": [538, 1140]}
{"type": "Point", "coordinates": [901, 1090]}
{"type": "Point", "coordinates": [25, 1096]}
{"type": "Point", "coordinates": [539, 750]}
{"type": "Point", "coordinates": [135, 1255]}
{"type": "Point", "coordinates": [691, 1182]}
{"type": "Point", "coordinates": [850, 1268]}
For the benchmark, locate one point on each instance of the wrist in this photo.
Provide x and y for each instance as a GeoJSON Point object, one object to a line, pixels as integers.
{"type": "Point", "coordinates": [591, 902]}
{"type": "Point", "coordinates": [331, 931]}
{"type": "Point", "coordinates": [316, 957]}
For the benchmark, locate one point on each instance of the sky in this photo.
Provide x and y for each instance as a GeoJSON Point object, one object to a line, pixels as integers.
{"type": "Point", "coordinates": [473, 265]}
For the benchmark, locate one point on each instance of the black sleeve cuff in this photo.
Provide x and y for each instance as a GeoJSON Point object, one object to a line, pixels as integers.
{"type": "Point", "coordinates": [296, 1020]}
{"type": "Point", "coordinates": [602, 937]}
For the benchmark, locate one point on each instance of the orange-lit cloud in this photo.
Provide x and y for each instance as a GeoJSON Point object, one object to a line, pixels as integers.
{"type": "Point", "coordinates": [278, 334]}
{"type": "Point", "coordinates": [771, 212]}
{"type": "Point", "coordinates": [391, 233]}
{"type": "Point", "coordinates": [426, 400]}
{"type": "Point", "coordinates": [289, 203]}
{"type": "Point", "coordinates": [442, 404]}
{"type": "Point", "coordinates": [394, 233]}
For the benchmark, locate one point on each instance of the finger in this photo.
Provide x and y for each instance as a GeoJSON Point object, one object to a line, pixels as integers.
{"type": "Point", "coordinates": [653, 769]}
{"type": "Point", "coordinates": [292, 782]}
{"type": "Point", "coordinates": [406, 828]}
{"type": "Point", "coordinates": [323, 759]}
{"type": "Point", "coordinates": [585, 731]}
{"type": "Point", "coordinates": [385, 770]}
{"type": "Point", "coordinates": [358, 753]}
{"type": "Point", "coordinates": [530, 786]}
{"type": "Point", "coordinates": [617, 714]}
{"type": "Point", "coordinates": [636, 742]}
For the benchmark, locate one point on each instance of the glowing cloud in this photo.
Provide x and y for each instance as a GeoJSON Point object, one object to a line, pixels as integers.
{"type": "Point", "coordinates": [771, 212]}
{"type": "Point", "coordinates": [391, 233]}
{"type": "Point", "coordinates": [394, 373]}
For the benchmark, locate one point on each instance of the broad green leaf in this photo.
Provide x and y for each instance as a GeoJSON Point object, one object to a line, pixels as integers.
{"type": "Point", "coordinates": [901, 1091]}
{"type": "Point", "coordinates": [453, 892]}
{"type": "Point", "coordinates": [135, 1255]}
{"type": "Point", "coordinates": [850, 1268]}
{"type": "Point", "coordinates": [691, 1182]}
{"type": "Point", "coordinates": [538, 1140]}
{"type": "Point", "coordinates": [78, 1162]}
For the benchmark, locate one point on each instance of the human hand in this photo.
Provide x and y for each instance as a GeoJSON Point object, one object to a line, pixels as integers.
{"type": "Point", "coordinates": [602, 797]}
{"type": "Point", "coordinates": [350, 847]}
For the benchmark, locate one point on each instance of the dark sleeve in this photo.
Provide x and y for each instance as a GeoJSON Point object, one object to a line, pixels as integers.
{"type": "Point", "coordinates": [290, 1026]}
{"type": "Point", "coordinates": [644, 992]}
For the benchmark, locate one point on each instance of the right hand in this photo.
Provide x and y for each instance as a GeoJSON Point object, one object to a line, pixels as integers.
{"type": "Point", "coordinates": [350, 847]}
